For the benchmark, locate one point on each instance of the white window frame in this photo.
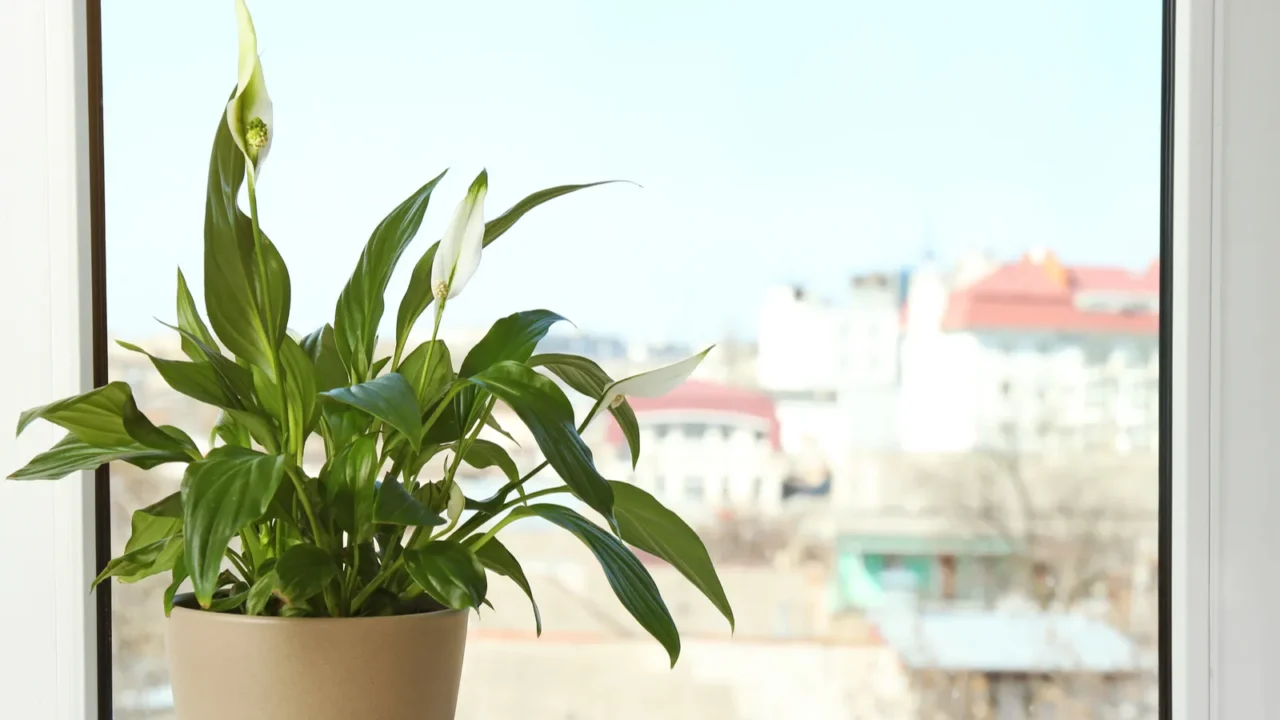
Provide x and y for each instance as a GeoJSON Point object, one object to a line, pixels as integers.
{"type": "Point", "coordinates": [48, 637]}
{"type": "Point", "coordinates": [1225, 191]}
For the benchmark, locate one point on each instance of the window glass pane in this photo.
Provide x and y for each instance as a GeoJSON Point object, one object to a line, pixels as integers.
{"type": "Point", "coordinates": [922, 235]}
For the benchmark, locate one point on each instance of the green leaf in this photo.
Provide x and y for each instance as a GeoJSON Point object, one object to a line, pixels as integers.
{"type": "Point", "coordinates": [260, 593]}
{"type": "Point", "coordinates": [179, 576]}
{"type": "Point", "coordinates": [348, 481]}
{"type": "Point", "coordinates": [511, 338]}
{"type": "Point", "coordinates": [484, 454]}
{"type": "Point", "coordinates": [108, 417]}
{"type": "Point", "coordinates": [72, 455]}
{"type": "Point", "coordinates": [390, 399]}
{"type": "Point", "coordinates": [492, 423]}
{"type": "Point", "coordinates": [545, 410]}
{"type": "Point", "coordinates": [302, 572]}
{"type": "Point", "coordinates": [496, 227]}
{"type": "Point", "coordinates": [236, 380]}
{"type": "Point", "coordinates": [299, 388]}
{"type": "Point", "coordinates": [198, 380]}
{"type": "Point", "coordinates": [449, 572]}
{"type": "Point", "coordinates": [418, 295]}
{"type": "Point", "coordinates": [514, 337]}
{"type": "Point", "coordinates": [143, 561]}
{"type": "Point", "coordinates": [159, 521]}
{"type": "Point", "coordinates": [496, 557]}
{"type": "Point", "coordinates": [629, 579]}
{"type": "Point", "coordinates": [228, 602]}
{"type": "Point", "coordinates": [230, 431]}
{"type": "Point", "coordinates": [360, 305]}
{"type": "Point", "coordinates": [586, 377]}
{"type": "Point", "coordinates": [646, 524]}
{"type": "Point", "coordinates": [344, 423]}
{"type": "Point", "coordinates": [431, 385]}
{"type": "Point", "coordinates": [393, 504]}
{"type": "Point", "coordinates": [321, 348]}
{"type": "Point", "coordinates": [190, 321]}
{"type": "Point", "coordinates": [222, 494]}
{"type": "Point", "coordinates": [259, 428]}
{"type": "Point", "coordinates": [229, 285]}
{"type": "Point", "coordinates": [276, 312]}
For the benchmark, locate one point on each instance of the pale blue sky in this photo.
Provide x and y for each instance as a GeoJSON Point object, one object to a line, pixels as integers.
{"type": "Point", "coordinates": [777, 142]}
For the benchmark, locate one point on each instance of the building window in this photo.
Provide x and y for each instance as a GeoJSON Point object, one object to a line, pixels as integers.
{"type": "Point", "coordinates": [694, 489]}
{"type": "Point", "coordinates": [757, 489]}
{"type": "Point", "coordinates": [659, 485]}
{"type": "Point", "coordinates": [660, 431]}
{"type": "Point", "coordinates": [694, 431]}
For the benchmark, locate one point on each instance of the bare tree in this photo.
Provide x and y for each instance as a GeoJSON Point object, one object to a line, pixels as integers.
{"type": "Point", "coordinates": [1074, 527]}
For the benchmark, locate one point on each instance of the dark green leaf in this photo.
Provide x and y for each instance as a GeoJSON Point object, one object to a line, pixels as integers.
{"type": "Point", "coordinates": [260, 593]}
{"type": "Point", "coordinates": [189, 320]}
{"type": "Point", "coordinates": [159, 521]}
{"type": "Point", "coordinates": [226, 602]}
{"type": "Point", "coordinates": [416, 297]}
{"type": "Point", "coordinates": [222, 494]}
{"type": "Point", "coordinates": [236, 380]}
{"type": "Point", "coordinates": [302, 572]}
{"type": "Point", "coordinates": [449, 572]}
{"type": "Point", "coordinates": [196, 379]}
{"type": "Point", "coordinates": [428, 383]}
{"type": "Point", "coordinates": [629, 579]}
{"type": "Point", "coordinates": [495, 228]}
{"type": "Point", "coordinates": [512, 338]}
{"type": "Point", "coordinates": [276, 313]}
{"type": "Point", "coordinates": [259, 428]}
{"type": "Point", "coordinates": [299, 387]}
{"type": "Point", "coordinates": [360, 305]}
{"type": "Point", "coordinates": [73, 455]}
{"type": "Point", "coordinates": [586, 377]}
{"type": "Point", "coordinates": [646, 524]}
{"type": "Point", "coordinates": [545, 410]}
{"type": "Point", "coordinates": [343, 423]}
{"type": "Point", "coordinates": [320, 347]}
{"type": "Point", "coordinates": [179, 576]}
{"type": "Point", "coordinates": [393, 504]}
{"type": "Point", "coordinates": [495, 556]}
{"type": "Point", "coordinates": [492, 423]}
{"type": "Point", "coordinates": [484, 454]}
{"type": "Point", "coordinates": [348, 481]}
{"type": "Point", "coordinates": [231, 431]}
{"type": "Point", "coordinates": [229, 285]}
{"type": "Point", "coordinates": [390, 399]}
{"type": "Point", "coordinates": [143, 561]}
{"type": "Point", "coordinates": [107, 417]}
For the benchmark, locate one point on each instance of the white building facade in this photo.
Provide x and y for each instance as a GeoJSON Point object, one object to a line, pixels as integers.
{"type": "Point", "coordinates": [1037, 356]}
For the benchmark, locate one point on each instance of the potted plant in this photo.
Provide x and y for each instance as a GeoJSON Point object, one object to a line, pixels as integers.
{"type": "Point", "coordinates": [346, 594]}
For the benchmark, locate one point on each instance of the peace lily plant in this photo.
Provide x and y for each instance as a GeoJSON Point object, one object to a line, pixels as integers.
{"type": "Point", "coordinates": [386, 527]}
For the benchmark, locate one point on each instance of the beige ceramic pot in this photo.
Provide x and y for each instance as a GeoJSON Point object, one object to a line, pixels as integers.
{"type": "Point", "coordinates": [233, 667]}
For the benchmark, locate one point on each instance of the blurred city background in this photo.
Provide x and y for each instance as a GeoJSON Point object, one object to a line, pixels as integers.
{"type": "Point", "coordinates": [922, 235]}
{"type": "Point", "coordinates": [932, 495]}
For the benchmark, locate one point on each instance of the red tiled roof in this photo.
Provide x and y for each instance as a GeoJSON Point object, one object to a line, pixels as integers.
{"type": "Point", "coordinates": [1031, 294]}
{"type": "Point", "coordinates": [703, 396]}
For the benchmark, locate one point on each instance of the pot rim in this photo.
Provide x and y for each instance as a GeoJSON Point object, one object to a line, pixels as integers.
{"type": "Point", "coordinates": [445, 613]}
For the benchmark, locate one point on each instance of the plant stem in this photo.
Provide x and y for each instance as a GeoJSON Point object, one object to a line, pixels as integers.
{"type": "Point", "coordinates": [479, 542]}
{"type": "Point", "coordinates": [386, 572]}
{"type": "Point", "coordinates": [431, 347]}
{"type": "Point", "coordinates": [301, 487]}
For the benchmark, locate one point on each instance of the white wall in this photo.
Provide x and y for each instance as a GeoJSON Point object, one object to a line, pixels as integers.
{"type": "Point", "coordinates": [47, 636]}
